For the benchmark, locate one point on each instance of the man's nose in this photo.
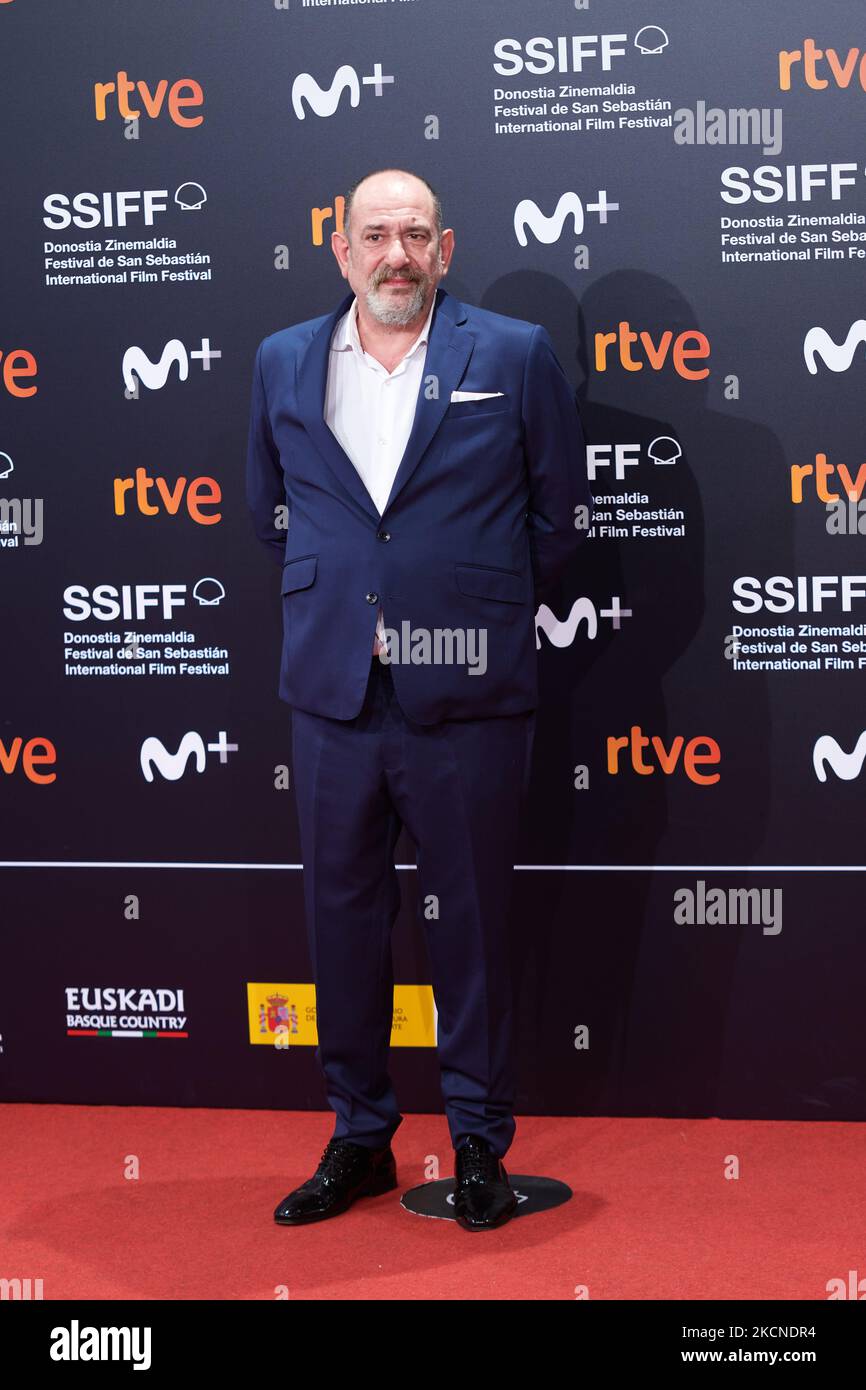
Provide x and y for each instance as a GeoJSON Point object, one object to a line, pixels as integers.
{"type": "Point", "coordinates": [396, 256]}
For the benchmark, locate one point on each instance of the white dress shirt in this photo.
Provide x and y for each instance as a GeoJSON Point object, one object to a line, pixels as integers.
{"type": "Point", "coordinates": [370, 410]}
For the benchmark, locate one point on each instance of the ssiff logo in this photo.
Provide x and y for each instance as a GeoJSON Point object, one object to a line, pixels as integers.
{"type": "Point", "coordinates": [108, 602]}
{"type": "Point", "coordinates": [662, 452]}
{"type": "Point", "coordinates": [570, 53]}
{"type": "Point", "coordinates": [109, 209]}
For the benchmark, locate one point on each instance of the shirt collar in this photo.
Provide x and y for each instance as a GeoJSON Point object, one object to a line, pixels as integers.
{"type": "Point", "coordinates": [346, 335]}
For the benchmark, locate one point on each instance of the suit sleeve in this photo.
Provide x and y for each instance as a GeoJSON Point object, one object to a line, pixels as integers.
{"type": "Point", "coordinates": [265, 484]}
{"type": "Point", "coordinates": [555, 450]}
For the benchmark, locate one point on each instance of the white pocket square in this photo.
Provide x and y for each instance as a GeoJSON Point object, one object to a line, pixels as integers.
{"type": "Point", "coordinates": [473, 395]}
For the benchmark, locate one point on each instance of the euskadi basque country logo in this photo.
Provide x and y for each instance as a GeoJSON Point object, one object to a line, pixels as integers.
{"type": "Point", "coordinates": [284, 1016]}
{"type": "Point", "coordinates": [111, 1012]}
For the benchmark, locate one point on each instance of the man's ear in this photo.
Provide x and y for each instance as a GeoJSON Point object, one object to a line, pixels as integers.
{"type": "Point", "coordinates": [340, 248]}
{"type": "Point", "coordinates": [449, 234]}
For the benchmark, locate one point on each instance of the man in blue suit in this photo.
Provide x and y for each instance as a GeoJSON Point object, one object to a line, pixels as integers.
{"type": "Point", "coordinates": [430, 458]}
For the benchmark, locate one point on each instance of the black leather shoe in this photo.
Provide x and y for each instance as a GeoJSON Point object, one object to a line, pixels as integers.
{"type": "Point", "coordinates": [483, 1197]}
{"type": "Point", "coordinates": [347, 1171]}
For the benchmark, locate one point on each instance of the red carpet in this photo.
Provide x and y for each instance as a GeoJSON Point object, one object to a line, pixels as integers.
{"type": "Point", "coordinates": [653, 1216]}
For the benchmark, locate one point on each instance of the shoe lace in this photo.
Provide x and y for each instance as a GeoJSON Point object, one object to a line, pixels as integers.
{"type": "Point", "coordinates": [338, 1159]}
{"type": "Point", "coordinates": [477, 1163]}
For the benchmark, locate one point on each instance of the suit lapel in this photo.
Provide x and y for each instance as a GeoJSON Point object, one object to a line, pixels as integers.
{"type": "Point", "coordinates": [312, 377]}
{"type": "Point", "coordinates": [449, 348]}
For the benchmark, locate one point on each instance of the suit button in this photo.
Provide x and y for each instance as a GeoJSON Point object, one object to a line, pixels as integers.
{"type": "Point", "coordinates": [383, 535]}
{"type": "Point", "coordinates": [372, 598]}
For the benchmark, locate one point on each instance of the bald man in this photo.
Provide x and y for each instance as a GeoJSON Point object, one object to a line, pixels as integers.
{"type": "Point", "coordinates": [432, 462]}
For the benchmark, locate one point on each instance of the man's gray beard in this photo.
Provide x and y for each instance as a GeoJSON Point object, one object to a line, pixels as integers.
{"type": "Point", "coordinates": [397, 314]}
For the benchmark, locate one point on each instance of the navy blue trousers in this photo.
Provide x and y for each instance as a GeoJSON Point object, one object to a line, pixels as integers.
{"type": "Point", "coordinates": [457, 787]}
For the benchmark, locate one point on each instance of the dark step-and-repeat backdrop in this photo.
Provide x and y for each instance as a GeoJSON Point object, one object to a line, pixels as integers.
{"type": "Point", "coordinates": [676, 192]}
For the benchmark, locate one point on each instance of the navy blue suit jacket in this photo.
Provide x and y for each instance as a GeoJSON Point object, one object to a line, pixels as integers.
{"type": "Point", "coordinates": [477, 529]}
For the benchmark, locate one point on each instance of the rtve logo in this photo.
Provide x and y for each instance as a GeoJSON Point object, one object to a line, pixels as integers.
{"type": "Point", "coordinates": [823, 472]}
{"type": "Point", "coordinates": [837, 357]}
{"type": "Point", "coordinates": [811, 55]}
{"type": "Point", "coordinates": [27, 756]}
{"type": "Point", "coordinates": [15, 363]}
{"type": "Point", "coordinates": [583, 610]}
{"type": "Point", "coordinates": [666, 758]}
{"type": "Point", "coordinates": [137, 366]}
{"type": "Point", "coordinates": [319, 216]}
{"type": "Point", "coordinates": [152, 102]}
{"type": "Point", "coordinates": [656, 354]}
{"type": "Point", "coordinates": [549, 229]}
{"type": "Point", "coordinates": [195, 494]}
{"type": "Point", "coordinates": [323, 101]}
{"type": "Point", "coordinates": [172, 766]}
